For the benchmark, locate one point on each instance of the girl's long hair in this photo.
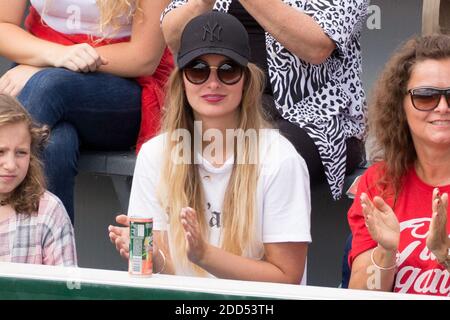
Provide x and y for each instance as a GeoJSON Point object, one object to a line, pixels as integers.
{"type": "Point", "coordinates": [180, 184]}
{"type": "Point", "coordinates": [387, 122]}
{"type": "Point", "coordinates": [113, 11]}
{"type": "Point", "coordinates": [25, 198]}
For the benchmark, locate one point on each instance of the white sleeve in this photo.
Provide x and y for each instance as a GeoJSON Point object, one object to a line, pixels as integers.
{"type": "Point", "coordinates": [143, 198]}
{"type": "Point", "coordinates": [172, 5]}
{"type": "Point", "coordinates": [287, 202]}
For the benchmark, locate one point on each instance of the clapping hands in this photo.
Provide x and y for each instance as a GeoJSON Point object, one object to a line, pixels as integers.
{"type": "Point", "coordinates": [381, 222]}
{"type": "Point", "coordinates": [437, 240]}
{"type": "Point", "coordinates": [196, 245]}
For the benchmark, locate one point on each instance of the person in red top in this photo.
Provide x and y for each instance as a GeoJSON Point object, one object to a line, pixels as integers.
{"type": "Point", "coordinates": [399, 216]}
{"type": "Point", "coordinates": [94, 71]}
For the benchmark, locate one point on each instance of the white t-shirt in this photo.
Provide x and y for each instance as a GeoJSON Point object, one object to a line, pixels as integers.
{"type": "Point", "coordinates": [78, 17]}
{"type": "Point", "coordinates": [283, 195]}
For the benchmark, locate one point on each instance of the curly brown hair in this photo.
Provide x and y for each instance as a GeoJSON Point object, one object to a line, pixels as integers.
{"type": "Point", "coordinates": [387, 123]}
{"type": "Point", "coordinates": [25, 198]}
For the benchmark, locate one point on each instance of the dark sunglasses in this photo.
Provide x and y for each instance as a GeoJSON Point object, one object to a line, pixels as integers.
{"type": "Point", "coordinates": [198, 72]}
{"type": "Point", "coordinates": [427, 98]}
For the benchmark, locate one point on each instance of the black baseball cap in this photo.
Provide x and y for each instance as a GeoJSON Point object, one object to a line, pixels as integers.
{"type": "Point", "coordinates": [214, 33]}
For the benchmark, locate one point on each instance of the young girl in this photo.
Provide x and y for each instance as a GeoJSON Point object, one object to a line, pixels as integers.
{"type": "Point", "coordinates": [93, 71]}
{"type": "Point", "coordinates": [34, 226]}
{"type": "Point", "coordinates": [240, 211]}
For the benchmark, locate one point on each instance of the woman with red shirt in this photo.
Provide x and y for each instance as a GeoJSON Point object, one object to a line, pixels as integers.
{"type": "Point", "coordinates": [399, 216]}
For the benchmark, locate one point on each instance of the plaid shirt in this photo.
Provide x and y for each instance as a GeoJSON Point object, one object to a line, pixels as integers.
{"type": "Point", "coordinates": [45, 237]}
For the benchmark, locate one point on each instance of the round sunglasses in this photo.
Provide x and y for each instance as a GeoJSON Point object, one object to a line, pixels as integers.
{"type": "Point", "coordinates": [198, 71]}
{"type": "Point", "coordinates": [427, 98]}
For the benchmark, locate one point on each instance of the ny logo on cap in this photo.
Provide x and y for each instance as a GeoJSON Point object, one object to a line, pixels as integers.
{"type": "Point", "coordinates": [214, 32]}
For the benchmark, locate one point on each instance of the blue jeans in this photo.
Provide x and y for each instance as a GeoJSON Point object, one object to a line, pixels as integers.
{"type": "Point", "coordinates": [93, 110]}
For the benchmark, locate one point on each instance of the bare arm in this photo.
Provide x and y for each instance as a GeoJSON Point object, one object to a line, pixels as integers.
{"type": "Point", "coordinates": [142, 54]}
{"type": "Point", "coordinates": [17, 44]}
{"type": "Point", "coordinates": [283, 262]}
{"type": "Point", "coordinates": [375, 269]}
{"type": "Point", "coordinates": [302, 35]}
{"type": "Point", "coordinates": [162, 263]}
{"type": "Point", "coordinates": [366, 276]}
{"type": "Point", "coordinates": [175, 21]}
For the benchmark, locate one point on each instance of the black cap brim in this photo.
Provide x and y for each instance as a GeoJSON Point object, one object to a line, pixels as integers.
{"type": "Point", "coordinates": [190, 56]}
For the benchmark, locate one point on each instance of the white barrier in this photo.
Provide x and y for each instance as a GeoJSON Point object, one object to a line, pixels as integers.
{"type": "Point", "coordinates": [79, 276]}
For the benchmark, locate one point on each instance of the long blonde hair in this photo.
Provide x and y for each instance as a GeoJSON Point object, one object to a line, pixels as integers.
{"type": "Point", "coordinates": [111, 12]}
{"type": "Point", "coordinates": [180, 184]}
{"type": "Point", "coordinates": [25, 198]}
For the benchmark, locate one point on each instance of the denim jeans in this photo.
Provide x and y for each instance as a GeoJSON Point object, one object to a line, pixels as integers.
{"type": "Point", "coordinates": [93, 110]}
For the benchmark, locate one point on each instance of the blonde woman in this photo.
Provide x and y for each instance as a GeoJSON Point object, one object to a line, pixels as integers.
{"type": "Point", "coordinates": [241, 211]}
{"type": "Point", "coordinates": [94, 71]}
{"type": "Point", "coordinates": [34, 225]}
{"type": "Point", "coordinates": [314, 94]}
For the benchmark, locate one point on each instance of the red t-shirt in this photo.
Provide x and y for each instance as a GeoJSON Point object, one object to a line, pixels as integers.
{"type": "Point", "coordinates": [418, 271]}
